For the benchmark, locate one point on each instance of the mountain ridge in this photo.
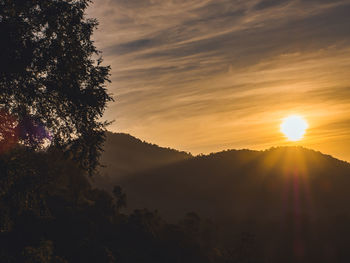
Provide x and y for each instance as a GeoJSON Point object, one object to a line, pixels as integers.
{"type": "Point", "coordinates": [282, 196]}
{"type": "Point", "coordinates": [124, 154]}
{"type": "Point", "coordinates": [207, 177]}
{"type": "Point", "coordinates": [189, 178]}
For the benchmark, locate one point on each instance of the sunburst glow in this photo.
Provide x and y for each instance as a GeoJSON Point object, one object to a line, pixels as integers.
{"type": "Point", "coordinates": [294, 127]}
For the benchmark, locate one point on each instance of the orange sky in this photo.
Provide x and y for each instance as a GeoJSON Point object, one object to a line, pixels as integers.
{"type": "Point", "coordinates": [204, 76]}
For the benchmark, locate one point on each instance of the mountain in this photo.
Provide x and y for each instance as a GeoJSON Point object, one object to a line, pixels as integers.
{"type": "Point", "coordinates": [293, 202]}
{"type": "Point", "coordinates": [124, 155]}
{"type": "Point", "coordinates": [284, 204]}
{"type": "Point", "coordinates": [242, 184]}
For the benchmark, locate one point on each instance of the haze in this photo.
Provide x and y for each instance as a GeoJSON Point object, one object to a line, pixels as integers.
{"type": "Point", "coordinates": [203, 76]}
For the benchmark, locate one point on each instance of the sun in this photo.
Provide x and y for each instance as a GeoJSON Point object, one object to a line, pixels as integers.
{"type": "Point", "coordinates": [294, 127]}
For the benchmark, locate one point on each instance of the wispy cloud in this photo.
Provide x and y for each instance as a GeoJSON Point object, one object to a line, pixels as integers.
{"type": "Point", "coordinates": [206, 75]}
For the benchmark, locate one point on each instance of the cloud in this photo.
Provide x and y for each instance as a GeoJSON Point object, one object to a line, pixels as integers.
{"type": "Point", "coordinates": [185, 71]}
{"type": "Point", "coordinates": [270, 3]}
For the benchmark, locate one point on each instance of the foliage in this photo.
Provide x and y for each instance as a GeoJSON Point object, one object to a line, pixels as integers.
{"type": "Point", "coordinates": [52, 81]}
{"type": "Point", "coordinates": [119, 196]}
{"type": "Point", "coordinates": [50, 213]}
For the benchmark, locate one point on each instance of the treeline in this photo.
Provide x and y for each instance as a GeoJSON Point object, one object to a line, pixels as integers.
{"type": "Point", "coordinates": [50, 213]}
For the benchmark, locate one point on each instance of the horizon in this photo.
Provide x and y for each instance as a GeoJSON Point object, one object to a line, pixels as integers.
{"type": "Point", "coordinates": [231, 149]}
{"type": "Point", "coordinates": [203, 76]}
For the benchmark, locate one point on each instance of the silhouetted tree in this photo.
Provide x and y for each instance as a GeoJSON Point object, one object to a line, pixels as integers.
{"type": "Point", "coordinates": [43, 254]}
{"type": "Point", "coordinates": [52, 82]}
{"type": "Point", "coordinates": [120, 197]}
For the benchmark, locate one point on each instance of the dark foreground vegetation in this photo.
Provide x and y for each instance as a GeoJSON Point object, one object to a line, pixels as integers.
{"type": "Point", "coordinates": [260, 213]}
{"type": "Point", "coordinates": [50, 213]}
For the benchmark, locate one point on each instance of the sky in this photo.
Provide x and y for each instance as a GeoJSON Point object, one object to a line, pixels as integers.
{"type": "Point", "coordinates": [209, 75]}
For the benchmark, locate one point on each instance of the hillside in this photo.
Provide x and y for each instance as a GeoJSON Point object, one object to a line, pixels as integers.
{"type": "Point", "coordinates": [242, 183]}
{"type": "Point", "coordinates": [285, 201]}
{"type": "Point", "coordinates": [124, 155]}
{"type": "Point", "coordinates": [289, 200]}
